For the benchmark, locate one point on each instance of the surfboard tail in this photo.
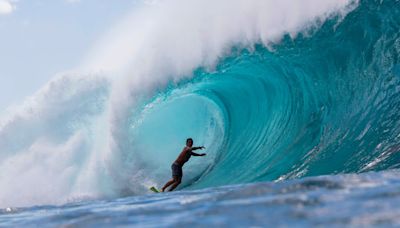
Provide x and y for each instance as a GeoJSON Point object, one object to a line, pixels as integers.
{"type": "Point", "coordinates": [154, 189]}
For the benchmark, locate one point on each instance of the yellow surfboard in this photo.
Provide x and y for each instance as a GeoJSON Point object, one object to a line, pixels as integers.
{"type": "Point", "coordinates": [153, 189]}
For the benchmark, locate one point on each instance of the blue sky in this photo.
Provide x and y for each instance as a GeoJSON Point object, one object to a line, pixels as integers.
{"type": "Point", "coordinates": [39, 38]}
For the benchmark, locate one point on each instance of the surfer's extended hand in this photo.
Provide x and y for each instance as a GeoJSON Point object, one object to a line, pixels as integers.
{"type": "Point", "coordinates": [203, 154]}
{"type": "Point", "coordinates": [197, 148]}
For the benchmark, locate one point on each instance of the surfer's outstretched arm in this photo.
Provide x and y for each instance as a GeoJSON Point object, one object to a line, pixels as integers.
{"type": "Point", "coordinates": [196, 154]}
{"type": "Point", "coordinates": [197, 148]}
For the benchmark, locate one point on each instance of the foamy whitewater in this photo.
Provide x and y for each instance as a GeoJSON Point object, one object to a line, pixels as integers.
{"type": "Point", "coordinates": [275, 90]}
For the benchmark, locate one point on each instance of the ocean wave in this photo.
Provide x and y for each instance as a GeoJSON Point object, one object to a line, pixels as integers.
{"type": "Point", "coordinates": [273, 90]}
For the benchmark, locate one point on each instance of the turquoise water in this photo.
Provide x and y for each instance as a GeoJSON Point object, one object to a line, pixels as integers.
{"type": "Point", "coordinates": [273, 119]}
{"type": "Point", "coordinates": [321, 104]}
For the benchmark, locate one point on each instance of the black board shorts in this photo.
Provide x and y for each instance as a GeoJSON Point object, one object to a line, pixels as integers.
{"type": "Point", "coordinates": [176, 170]}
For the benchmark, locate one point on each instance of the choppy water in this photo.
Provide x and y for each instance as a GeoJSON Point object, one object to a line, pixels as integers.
{"type": "Point", "coordinates": [363, 200]}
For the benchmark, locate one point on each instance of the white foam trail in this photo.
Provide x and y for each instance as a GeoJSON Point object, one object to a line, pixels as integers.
{"type": "Point", "coordinates": [71, 139]}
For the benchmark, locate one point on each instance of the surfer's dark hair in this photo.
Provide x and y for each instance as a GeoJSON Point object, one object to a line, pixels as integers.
{"type": "Point", "coordinates": [189, 139]}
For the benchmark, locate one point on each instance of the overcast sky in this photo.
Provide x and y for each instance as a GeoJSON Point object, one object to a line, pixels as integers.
{"type": "Point", "coordinates": [39, 38]}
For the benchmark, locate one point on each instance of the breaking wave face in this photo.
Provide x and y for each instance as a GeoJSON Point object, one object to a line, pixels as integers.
{"type": "Point", "coordinates": [274, 90]}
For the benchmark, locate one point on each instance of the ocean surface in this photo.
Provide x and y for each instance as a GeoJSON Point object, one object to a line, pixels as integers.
{"type": "Point", "coordinates": [297, 104]}
{"type": "Point", "coordinates": [369, 199]}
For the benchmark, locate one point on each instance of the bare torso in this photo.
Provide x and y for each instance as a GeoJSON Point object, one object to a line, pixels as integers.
{"type": "Point", "coordinates": [184, 156]}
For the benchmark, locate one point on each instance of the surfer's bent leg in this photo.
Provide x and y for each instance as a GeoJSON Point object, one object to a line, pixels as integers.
{"type": "Point", "coordinates": [167, 184]}
{"type": "Point", "coordinates": [176, 177]}
{"type": "Point", "coordinates": [176, 183]}
{"type": "Point", "coordinates": [176, 174]}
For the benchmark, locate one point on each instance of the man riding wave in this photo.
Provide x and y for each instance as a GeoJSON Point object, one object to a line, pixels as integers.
{"type": "Point", "coordinates": [176, 167]}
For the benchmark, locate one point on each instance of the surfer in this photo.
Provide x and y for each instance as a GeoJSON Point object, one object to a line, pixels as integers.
{"type": "Point", "coordinates": [176, 167]}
